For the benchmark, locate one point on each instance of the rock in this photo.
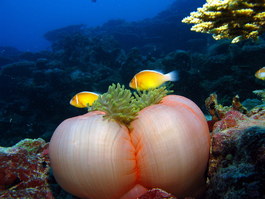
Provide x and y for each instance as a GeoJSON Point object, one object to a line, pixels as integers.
{"type": "Point", "coordinates": [24, 170]}
{"type": "Point", "coordinates": [157, 194]}
{"type": "Point", "coordinates": [237, 159]}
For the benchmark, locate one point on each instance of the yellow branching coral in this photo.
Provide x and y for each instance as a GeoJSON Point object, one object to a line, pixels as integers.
{"type": "Point", "coordinates": [232, 19]}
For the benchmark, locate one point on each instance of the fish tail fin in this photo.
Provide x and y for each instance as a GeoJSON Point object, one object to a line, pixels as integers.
{"type": "Point", "coordinates": [172, 76]}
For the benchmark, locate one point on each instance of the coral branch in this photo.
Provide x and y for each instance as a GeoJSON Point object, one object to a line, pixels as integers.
{"type": "Point", "coordinates": [232, 19]}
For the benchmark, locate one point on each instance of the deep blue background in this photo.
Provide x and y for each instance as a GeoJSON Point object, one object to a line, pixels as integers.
{"type": "Point", "coordinates": [23, 22]}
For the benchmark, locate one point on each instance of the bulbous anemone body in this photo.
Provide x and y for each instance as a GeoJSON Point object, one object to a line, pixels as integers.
{"type": "Point", "coordinates": [167, 146]}
{"type": "Point", "coordinates": [173, 141]}
{"type": "Point", "coordinates": [92, 157]}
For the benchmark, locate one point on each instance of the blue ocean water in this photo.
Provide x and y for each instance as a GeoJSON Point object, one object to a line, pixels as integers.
{"type": "Point", "coordinates": [23, 23]}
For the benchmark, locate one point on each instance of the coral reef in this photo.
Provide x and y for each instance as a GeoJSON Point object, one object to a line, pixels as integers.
{"type": "Point", "coordinates": [232, 19]}
{"type": "Point", "coordinates": [236, 166]}
{"type": "Point", "coordinates": [36, 88]}
{"type": "Point", "coordinates": [162, 33]}
{"type": "Point", "coordinates": [8, 55]}
{"type": "Point", "coordinates": [40, 84]}
{"type": "Point", "coordinates": [61, 33]}
{"type": "Point", "coordinates": [157, 194]}
{"type": "Point", "coordinates": [218, 111]}
{"type": "Point", "coordinates": [36, 85]}
{"type": "Point", "coordinates": [24, 170]}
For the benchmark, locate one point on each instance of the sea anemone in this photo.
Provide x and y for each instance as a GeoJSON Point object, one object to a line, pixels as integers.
{"type": "Point", "coordinates": [105, 155]}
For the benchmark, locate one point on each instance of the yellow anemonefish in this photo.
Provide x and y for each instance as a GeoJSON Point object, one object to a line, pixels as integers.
{"type": "Point", "coordinates": [83, 99]}
{"type": "Point", "coordinates": [260, 74]}
{"type": "Point", "coordinates": [148, 79]}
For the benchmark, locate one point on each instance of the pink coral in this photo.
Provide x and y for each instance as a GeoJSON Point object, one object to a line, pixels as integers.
{"type": "Point", "coordinates": [238, 120]}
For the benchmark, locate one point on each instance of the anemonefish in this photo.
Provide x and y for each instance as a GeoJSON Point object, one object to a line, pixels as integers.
{"type": "Point", "coordinates": [148, 79]}
{"type": "Point", "coordinates": [260, 74]}
{"type": "Point", "coordinates": [83, 99]}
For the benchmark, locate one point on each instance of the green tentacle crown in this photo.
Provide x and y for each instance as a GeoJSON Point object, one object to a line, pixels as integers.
{"type": "Point", "coordinates": [122, 105]}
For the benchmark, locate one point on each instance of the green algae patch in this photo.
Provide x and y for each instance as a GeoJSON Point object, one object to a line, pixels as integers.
{"type": "Point", "coordinates": [30, 145]}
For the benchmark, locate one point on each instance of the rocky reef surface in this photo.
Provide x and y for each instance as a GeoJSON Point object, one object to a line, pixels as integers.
{"type": "Point", "coordinates": [236, 166]}
{"type": "Point", "coordinates": [24, 170]}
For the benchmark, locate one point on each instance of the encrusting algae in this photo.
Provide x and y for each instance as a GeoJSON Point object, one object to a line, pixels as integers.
{"type": "Point", "coordinates": [123, 106]}
{"type": "Point", "coordinates": [231, 19]}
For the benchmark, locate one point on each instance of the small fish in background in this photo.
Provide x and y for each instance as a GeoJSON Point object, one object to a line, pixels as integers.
{"type": "Point", "coordinates": [260, 74]}
{"type": "Point", "coordinates": [83, 99]}
{"type": "Point", "coordinates": [148, 79]}
{"type": "Point", "coordinates": [94, 1]}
